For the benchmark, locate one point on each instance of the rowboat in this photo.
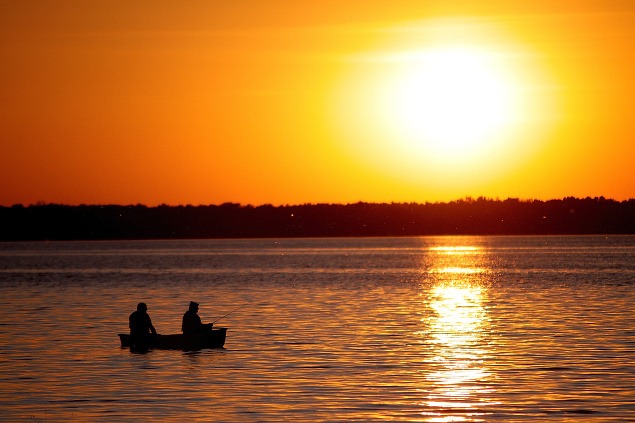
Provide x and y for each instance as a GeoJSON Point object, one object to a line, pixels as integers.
{"type": "Point", "coordinates": [214, 338]}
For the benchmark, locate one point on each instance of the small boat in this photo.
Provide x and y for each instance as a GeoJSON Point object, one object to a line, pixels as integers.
{"type": "Point", "coordinates": [214, 338]}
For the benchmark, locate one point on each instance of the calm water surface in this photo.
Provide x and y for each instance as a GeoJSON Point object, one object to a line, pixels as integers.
{"type": "Point", "coordinates": [401, 329]}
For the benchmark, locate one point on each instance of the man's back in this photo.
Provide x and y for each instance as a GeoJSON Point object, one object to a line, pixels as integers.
{"type": "Point", "coordinates": [139, 323]}
{"type": "Point", "coordinates": [191, 323]}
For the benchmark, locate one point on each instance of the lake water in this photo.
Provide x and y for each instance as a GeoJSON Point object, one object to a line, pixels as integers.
{"type": "Point", "coordinates": [431, 329]}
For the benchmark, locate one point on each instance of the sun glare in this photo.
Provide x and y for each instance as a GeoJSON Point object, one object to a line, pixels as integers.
{"type": "Point", "coordinates": [450, 102]}
{"type": "Point", "coordinates": [456, 102]}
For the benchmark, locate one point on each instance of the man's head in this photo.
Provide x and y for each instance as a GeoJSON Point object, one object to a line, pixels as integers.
{"type": "Point", "coordinates": [193, 306]}
{"type": "Point", "coordinates": [142, 307]}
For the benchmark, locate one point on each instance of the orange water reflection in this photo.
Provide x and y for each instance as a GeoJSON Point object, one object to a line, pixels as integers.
{"type": "Point", "coordinates": [456, 330]}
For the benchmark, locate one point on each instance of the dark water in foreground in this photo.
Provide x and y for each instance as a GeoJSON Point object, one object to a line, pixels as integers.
{"type": "Point", "coordinates": [401, 329]}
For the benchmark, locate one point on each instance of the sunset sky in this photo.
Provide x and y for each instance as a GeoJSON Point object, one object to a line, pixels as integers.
{"type": "Point", "coordinates": [292, 102]}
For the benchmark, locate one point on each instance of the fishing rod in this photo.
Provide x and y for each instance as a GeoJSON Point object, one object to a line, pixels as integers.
{"type": "Point", "coordinates": [229, 313]}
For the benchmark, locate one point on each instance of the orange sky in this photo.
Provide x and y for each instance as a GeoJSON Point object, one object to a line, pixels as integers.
{"type": "Point", "coordinates": [291, 102]}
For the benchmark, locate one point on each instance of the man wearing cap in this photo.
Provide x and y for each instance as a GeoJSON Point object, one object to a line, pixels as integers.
{"type": "Point", "coordinates": [192, 322]}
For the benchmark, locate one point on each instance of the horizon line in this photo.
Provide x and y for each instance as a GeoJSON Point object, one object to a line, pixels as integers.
{"type": "Point", "coordinates": [466, 199]}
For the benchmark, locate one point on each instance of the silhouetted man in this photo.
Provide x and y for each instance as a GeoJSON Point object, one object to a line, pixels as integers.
{"type": "Point", "coordinates": [192, 322]}
{"type": "Point", "coordinates": [141, 327]}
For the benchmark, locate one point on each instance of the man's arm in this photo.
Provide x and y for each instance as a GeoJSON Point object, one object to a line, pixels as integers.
{"type": "Point", "coordinates": [154, 332]}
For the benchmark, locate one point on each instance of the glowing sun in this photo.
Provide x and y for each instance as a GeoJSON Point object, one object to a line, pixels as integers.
{"type": "Point", "coordinates": [450, 103]}
{"type": "Point", "coordinates": [453, 103]}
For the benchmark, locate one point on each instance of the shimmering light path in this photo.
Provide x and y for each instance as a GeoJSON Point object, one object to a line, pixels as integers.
{"type": "Point", "coordinates": [405, 329]}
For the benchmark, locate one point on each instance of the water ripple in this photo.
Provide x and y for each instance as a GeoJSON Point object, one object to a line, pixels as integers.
{"type": "Point", "coordinates": [410, 329]}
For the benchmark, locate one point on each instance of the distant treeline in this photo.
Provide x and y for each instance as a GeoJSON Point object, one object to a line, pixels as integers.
{"type": "Point", "coordinates": [463, 217]}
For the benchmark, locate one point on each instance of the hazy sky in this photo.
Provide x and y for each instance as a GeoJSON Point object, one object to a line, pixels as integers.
{"type": "Point", "coordinates": [291, 102]}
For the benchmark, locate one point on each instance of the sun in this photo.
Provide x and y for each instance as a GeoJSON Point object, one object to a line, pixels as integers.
{"type": "Point", "coordinates": [451, 102]}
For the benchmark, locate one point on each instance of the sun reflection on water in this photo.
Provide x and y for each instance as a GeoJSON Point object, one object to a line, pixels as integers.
{"type": "Point", "coordinates": [457, 326]}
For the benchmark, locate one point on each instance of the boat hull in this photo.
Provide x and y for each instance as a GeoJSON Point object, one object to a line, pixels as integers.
{"type": "Point", "coordinates": [214, 338]}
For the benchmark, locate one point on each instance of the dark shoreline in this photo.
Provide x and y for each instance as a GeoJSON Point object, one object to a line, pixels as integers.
{"type": "Point", "coordinates": [468, 216]}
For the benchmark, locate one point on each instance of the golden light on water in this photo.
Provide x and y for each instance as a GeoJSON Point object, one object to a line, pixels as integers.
{"type": "Point", "coordinates": [457, 270]}
{"type": "Point", "coordinates": [457, 325]}
{"type": "Point", "coordinates": [461, 248]}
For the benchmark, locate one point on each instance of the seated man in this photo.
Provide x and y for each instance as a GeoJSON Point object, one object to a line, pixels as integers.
{"type": "Point", "coordinates": [141, 326]}
{"type": "Point", "coordinates": [192, 322]}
